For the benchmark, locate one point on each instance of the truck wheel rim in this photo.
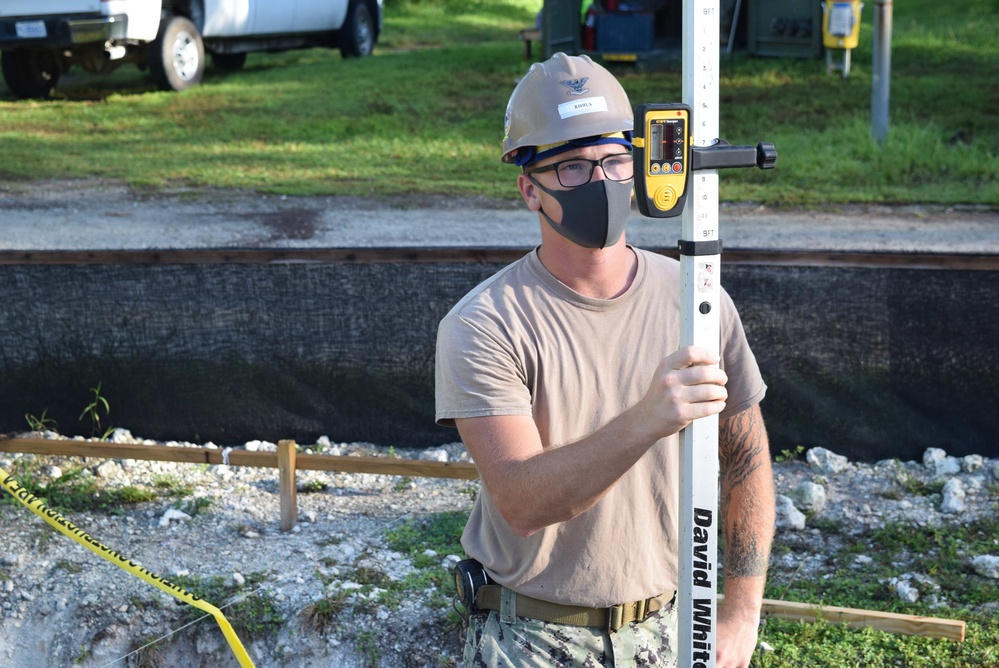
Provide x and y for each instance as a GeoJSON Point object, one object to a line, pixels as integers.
{"type": "Point", "coordinates": [364, 36]}
{"type": "Point", "coordinates": [185, 56]}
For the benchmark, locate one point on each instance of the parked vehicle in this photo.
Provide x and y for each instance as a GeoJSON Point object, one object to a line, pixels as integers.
{"type": "Point", "coordinates": [43, 39]}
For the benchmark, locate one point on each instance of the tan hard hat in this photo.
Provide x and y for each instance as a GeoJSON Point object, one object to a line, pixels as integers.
{"type": "Point", "coordinates": [561, 99]}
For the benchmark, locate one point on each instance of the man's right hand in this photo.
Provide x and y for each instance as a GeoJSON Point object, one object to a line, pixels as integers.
{"type": "Point", "coordinates": [687, 385]}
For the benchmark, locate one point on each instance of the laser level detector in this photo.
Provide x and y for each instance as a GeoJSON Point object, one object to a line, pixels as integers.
{"type": "Point", "coordinates": [661, 139]}
{"type": "Point", "coordinates": [666, 156]}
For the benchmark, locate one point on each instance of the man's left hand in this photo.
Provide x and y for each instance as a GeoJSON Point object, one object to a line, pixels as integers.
{"type": "Point", "coordinates": [737, 638]}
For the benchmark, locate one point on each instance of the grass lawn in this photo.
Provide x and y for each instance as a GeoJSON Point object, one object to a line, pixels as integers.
{"type": "Point", "coordinates": [424, 115]}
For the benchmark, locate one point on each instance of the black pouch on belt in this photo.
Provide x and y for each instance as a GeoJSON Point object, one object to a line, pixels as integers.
{"type": "Point", "coordinates": [469, 575]}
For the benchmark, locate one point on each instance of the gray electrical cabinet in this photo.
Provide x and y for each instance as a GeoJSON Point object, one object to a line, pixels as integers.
{"type": "Point", "coordinates": [790, 28]}
{"type": "Point", "coordinates": [560, 27]}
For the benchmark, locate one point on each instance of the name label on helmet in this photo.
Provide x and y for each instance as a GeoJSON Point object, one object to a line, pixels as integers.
{"type": "Point", "coordinates": [587, 105]}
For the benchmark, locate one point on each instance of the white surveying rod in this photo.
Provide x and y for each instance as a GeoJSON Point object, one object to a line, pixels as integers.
{"type": "Point", "coordinates": [699, 518]}
{"type": "Point", "coordinates": [678, 154]}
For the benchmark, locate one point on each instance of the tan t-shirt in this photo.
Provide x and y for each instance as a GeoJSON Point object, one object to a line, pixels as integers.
{"type": "Point", "coordinates": [523, 343]}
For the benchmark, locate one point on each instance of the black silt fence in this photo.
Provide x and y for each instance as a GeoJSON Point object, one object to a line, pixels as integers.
{"type": "Point", "coordinates": [871, 363]}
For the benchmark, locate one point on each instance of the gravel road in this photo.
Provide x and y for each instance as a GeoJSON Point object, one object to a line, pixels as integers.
{"type": "Point", "coordinates": [92, 214]}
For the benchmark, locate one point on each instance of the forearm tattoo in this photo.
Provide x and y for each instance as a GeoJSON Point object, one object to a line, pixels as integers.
{"type": "Point", "coordinates": [742, 449]}
{"type": "Point", "coordinates": [743, 555]}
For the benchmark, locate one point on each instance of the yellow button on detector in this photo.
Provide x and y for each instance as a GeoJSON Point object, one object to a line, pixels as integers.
{"type": "Point", "coordinates": [665, 198]}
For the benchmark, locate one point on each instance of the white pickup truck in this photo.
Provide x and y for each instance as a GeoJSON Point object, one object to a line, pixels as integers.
{"type": "Point", "coordinates": [42, 39]}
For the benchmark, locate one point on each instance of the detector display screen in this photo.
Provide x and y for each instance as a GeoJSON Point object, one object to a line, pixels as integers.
{"type": "Point", "coordinates": [656, 143]}
{"type": "Point", "coordinates": [666, 146]}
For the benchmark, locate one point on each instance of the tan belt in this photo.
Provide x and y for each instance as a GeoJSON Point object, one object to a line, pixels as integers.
{"type": "Point", "coordinates": [490, 597]}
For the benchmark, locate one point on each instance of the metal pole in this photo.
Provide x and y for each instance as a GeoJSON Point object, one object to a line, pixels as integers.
{"type": "Point", "coordinates": [697, 595]}
{"type": "Point", "coordinates": [732, 29]}
{"type": "Point", "coordinates": [881, 69]}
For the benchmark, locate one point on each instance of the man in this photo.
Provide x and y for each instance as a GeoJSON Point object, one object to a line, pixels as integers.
{"type": "Point", "coordinates": [564, 376]}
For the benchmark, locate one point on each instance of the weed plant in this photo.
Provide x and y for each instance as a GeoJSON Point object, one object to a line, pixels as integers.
{"type": "Point", "coordinates": [323, 615]}
{"type": "Point", "coordinates": [76, 490]}
{"type": "Point", "coordinates": [251, 610]}
{"type": "Point", "coordinates": [41, 422]}
{"type": "Point", "coordinates": [97, 405]}
{"type": "Point", "coordinates": [148, 652]}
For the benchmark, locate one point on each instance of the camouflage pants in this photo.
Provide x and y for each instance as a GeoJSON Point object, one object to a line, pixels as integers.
{"type": "Point", "coordinates": [492, 643]}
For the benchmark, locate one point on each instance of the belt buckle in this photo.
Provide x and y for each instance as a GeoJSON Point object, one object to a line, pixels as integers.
{"type": "Point", "coordinates": [615, 617]}
{"type": "Point", "coordinates": [640, 611]}
{"type": "Point", "coordinates": [652, 605]}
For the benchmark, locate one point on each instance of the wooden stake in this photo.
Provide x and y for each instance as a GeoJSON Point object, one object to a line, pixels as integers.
{"type": "Point", "coordinates": [286, 484]}
{"type": "Point", "coordinates": [890, 622]}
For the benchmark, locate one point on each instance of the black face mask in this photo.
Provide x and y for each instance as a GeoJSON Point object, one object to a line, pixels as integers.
{"type": "Point", "coordinates": [594, 214]}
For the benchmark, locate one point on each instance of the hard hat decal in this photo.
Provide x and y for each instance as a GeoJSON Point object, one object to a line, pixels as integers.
{"type": "Point", "coordinates": [588, 105]}
{"type": "Point", "coordinates": [575, 86]}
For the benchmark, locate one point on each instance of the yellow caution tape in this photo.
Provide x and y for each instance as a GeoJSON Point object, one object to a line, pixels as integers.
{"type": "Point", "coordinates": [64, 526]}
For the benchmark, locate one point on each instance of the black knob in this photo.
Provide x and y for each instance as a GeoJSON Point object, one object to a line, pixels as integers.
{"type": "Point", "coordinates": [766, 155]}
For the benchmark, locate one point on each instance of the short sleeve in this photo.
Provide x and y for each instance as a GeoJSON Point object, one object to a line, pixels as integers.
{"type": "Point", "coordinates": [477, 373]}
{"type": "Point", "coordinates": [745, 383]}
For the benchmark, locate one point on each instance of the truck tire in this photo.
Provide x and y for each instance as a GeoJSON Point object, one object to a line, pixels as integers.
{"type": "Point", "coordinates": [177, 55]}
{"type": "Point", "coordinates": [357, 36]}
{"type": "Point", "coordinates": [30, 74]}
